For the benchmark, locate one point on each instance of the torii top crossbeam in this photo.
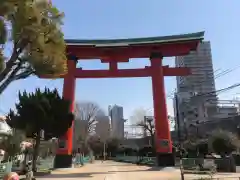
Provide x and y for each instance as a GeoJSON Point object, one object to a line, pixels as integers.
{"type": "Point", "coordinates": [122, 49]}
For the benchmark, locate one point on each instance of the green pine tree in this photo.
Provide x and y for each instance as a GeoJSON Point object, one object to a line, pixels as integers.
{"type": "Point", "coordinates": [41, 112]}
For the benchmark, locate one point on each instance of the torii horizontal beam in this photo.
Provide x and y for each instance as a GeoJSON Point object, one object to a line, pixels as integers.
{"type": "Point", "coordinates": [126, 73]}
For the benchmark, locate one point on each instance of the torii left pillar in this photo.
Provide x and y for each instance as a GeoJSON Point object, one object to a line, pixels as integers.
{"type": "Point", "coordinates": [163, 142]}
{"type": "Point", "coordinates": [63, 157]}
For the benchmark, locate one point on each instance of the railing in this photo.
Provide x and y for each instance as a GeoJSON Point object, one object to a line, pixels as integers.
{"type": "Point", "coordinates": [82, 160]}
{"type": "Point", "coordinates": [198, 166]}
{"type": "Point", "coordinates": [45, 164]}
{"type": "Point", "coordinates": [48, 163]}
{"type": "Point", "coordinates": [5, 168]}
{"type": "Point", "coordinates": [135, 159]}
{"type": "Point", "coordinates": [220, 164]}
{"type": "Point", "coordinates": [192, 167]}
{"type": "Point", "coordinates": [215, 177]}
{"type": "Point", "coordinates": [225, 178]}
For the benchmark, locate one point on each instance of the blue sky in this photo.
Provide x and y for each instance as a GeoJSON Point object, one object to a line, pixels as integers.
{"type": "Point", "coordinates": [88, 19]}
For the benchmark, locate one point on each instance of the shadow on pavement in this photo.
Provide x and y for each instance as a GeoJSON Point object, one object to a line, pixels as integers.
{"type": "Point", "coordinates": [118, 164]}
{"type": "Point", "coordinates": [149, 169]}
{"type": "Point", "coordinates": [73, 175]}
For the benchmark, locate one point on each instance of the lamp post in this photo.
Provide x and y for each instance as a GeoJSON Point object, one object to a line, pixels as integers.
{"type": "Point", "coordinates": [238, 130]}
{"type": "Point", "coordinates": [104, 150]}
{"type": "Point", "coordinates": [179, 134]}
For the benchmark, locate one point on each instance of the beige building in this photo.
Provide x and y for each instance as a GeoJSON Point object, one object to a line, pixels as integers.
{"type": "Point", "coordinates": [80, 132]}
{"type": "Point", "coordinates": [102, 128]}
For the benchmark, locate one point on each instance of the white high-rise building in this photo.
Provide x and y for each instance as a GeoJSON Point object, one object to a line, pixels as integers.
{"type": "Point", "coordinates": [193, 105]}
{"type": "Point", "coordinates": [117, 121]}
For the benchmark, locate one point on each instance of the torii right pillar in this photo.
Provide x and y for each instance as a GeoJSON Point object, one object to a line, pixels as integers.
{"type": "Point", "coordinates": [163, 142]}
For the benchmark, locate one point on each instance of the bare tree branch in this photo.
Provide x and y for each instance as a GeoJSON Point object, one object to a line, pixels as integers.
{"type": "Point", "coordinates": [19, 71]}
{"type": "Point", "coordinates": [87, 111]}
{"type": "Point", "coordinates": [148, 126]}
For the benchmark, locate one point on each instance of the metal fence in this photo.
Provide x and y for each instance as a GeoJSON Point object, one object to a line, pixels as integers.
{"type": "Point", "coordinates": [223, 177]}
{"type": "Point", "coordinates": [193, 168]}
{"type": "Point", "coordinates": [5, 168]}
{"type": "Point", "coordinates": [200, 168]}
{"type": "Point", "coordinates": [45, 164]}
{"type": "Point", "coordinates": [209, 164]}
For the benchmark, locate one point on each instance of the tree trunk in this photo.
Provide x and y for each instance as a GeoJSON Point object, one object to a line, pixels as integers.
{"type": "Point", "coordinates": [153, 140]}
{"type": "Point", "coordinates": [13, 76]}
{"type": "Point", "coordinates": [25, 161]}
{"type": "Point", "coordinates": [35, 152]}
{"type": "Point", "coordinates": [5, 84]}
{"type": "Point", "coordinates": [5, 157]}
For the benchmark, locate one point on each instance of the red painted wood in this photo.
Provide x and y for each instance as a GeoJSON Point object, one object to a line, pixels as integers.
{"type": "Point", "coordinates": [176, 71]}
{"type": "Point", "coordinates": [162, 129]}
{"type": "Point", "coordinates": [140, 51]}
{"type": "Point", "coordinates": [69, 94]}
{"type": "Point", "coordinates": [115, 59]}
{"type": "Point", "coordinates": [125, 73]}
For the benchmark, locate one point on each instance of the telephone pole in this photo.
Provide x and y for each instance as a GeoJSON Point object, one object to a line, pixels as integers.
{"type": "Point", "coordinates": [179, 134]}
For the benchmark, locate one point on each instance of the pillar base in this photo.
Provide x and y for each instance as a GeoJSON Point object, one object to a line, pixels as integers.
{"type": "Point", "coordinates": [165, 159]}
{"type": "Point", "coordinates": [63, 161]}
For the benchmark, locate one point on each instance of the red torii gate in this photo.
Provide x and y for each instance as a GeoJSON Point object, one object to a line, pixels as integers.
{"type": "Point", "coordinates": [121, 50]}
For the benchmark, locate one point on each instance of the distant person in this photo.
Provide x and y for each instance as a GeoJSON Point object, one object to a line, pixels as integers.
{"type": "Point", "coordinates": [29, 172]}
{"type": "Point", "coordinates": [79, 157]}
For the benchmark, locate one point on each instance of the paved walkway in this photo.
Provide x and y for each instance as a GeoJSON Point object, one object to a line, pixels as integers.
{"type": "Point", "coordinates": [109, 170]}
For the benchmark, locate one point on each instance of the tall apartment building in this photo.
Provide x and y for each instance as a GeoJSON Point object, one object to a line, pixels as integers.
{"type": "Point", "coordinates": [192, 105]}
{"type": "Point", "coordinates": [202, 78]}
{"type": "Point", "coordinates": [117, 121]}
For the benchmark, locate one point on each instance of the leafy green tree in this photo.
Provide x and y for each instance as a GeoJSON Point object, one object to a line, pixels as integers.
{"type": "Point", "coordinates": [196, 147]}
{"type": "Point", "coordinates": [202, 147]}
{"type": "Point", "coordinates": [95, 144]}
{"type": "Point", "coordinates": [81, 143]}
{"type": "Point", "coordinates": [41, 112]}
{"type": "Point", "coordinates": [31, 29]}
{"type": "Point", "coordinates": [112, 145]}
{"type": "Point", "coordinates": [224, 142]}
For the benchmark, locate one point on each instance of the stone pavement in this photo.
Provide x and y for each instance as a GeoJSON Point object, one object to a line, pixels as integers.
{"type": "Point", "coordinates": [110, 170]}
